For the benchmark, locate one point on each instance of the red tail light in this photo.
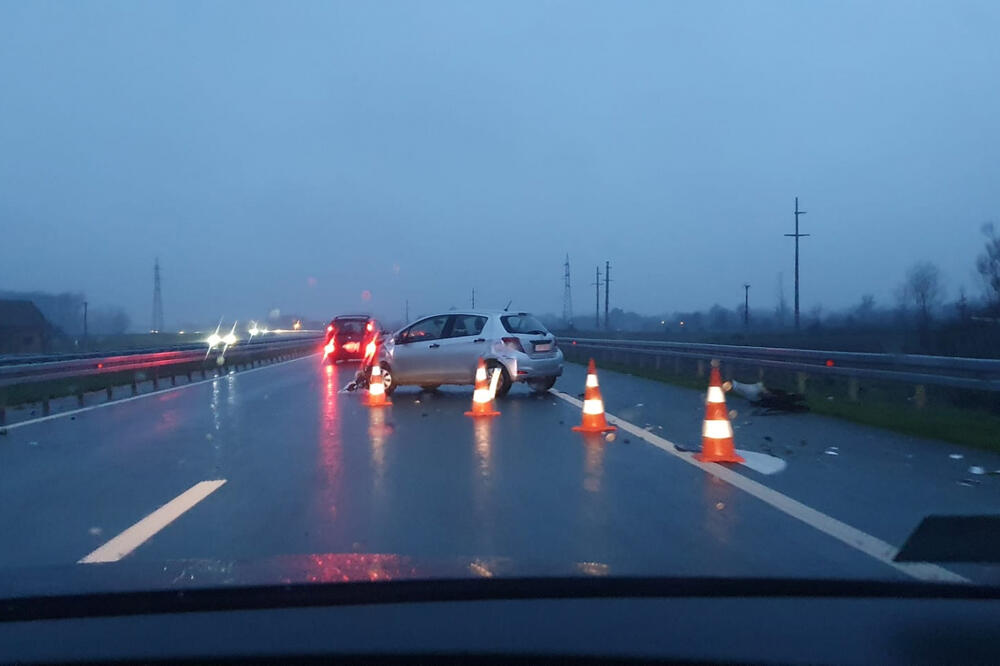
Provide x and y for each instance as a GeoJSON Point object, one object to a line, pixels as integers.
{"type": "Point", "coordinates": [330, 346]}
{"type": "Point", "coordinates": [370, 349]}
{"type": "Point", "coordinates": [513, 343]}
{"type": "Point", "coordinates": [369, 327]}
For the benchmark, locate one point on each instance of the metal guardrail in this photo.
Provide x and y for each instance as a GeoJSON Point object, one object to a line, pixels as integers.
{"type": "Point", "coordinates": [964, 373]}
{"type": "Point", "coordinates": [158, 362]}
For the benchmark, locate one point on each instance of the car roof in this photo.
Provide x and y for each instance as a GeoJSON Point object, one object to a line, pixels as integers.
{"type": "Point", "coordinates": [339, 317]}
{"type": "Point", "coordinates": [476, 311]}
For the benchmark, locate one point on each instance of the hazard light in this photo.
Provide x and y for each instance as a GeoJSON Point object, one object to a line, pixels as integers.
{"type": "Point", "coordinates": [369, 326]}
{"type": "Point", "coordinates": [370, 350]}
{"type": "Point", "coordinates": [329, 328]}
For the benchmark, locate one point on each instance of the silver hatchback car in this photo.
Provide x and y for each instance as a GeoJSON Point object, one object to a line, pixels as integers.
{"type": "Point", "coordinates": [446, 348]}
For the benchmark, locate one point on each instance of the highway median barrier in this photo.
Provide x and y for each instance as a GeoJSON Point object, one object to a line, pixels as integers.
{"type": "Point", "coordinates": [48, 379]}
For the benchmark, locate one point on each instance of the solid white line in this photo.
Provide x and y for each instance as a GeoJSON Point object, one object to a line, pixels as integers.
{"type": "Point", "coordinates": [119, 401]}
{"type": "Point", "coordinates": [853, 537]}
{"type": "Point", "coordinates": [142, 531]}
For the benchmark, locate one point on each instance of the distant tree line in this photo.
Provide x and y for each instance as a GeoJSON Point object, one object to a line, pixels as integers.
{"type": "Point", "coordinates": [920, 306]}
{"type": "Point", "coordinates": [64, 312]}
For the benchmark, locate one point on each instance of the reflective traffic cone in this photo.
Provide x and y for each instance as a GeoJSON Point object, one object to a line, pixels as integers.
{"type": "Point", "coordinates": [717, 432]}
{"type": "Point", "coordinates": [593, 405]}
{"type": "Point", "coordinates": [376, 389]}
{"type": "Point", "coordinates": [482, 397]}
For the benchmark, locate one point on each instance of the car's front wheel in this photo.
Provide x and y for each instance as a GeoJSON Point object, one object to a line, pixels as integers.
{"type": "Point", "coordinates": [542, 385]}
{"type": "Point", "coordinates": [504, 384]}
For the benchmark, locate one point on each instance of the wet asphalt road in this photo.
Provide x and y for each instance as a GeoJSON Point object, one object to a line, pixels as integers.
{"type": "Point", "coordinates": [310, 470]}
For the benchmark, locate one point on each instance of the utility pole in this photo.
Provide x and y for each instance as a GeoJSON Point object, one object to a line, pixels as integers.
{"type": "Point", "coordinates": [473, 298]}
{"type": "Point", "coordinates": [797, 236]}
{"type": "Point", "coordinates": [85, 339]}
{"type": "Point", "coordinates": [406, 317]}
{"type": "Point", "coordinates": [157, 300]}
{"type": "Point", "coordinates": [607, 283]}
{"type": "Point", "coordinates": [567, 296]}
{"type": "Point", "coordinates": [746, 305]}
{"type": "Point", "coordinates": [597, 294]}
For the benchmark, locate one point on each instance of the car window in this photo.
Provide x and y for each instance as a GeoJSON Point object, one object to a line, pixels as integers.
{"type": "Point", "coordinates": [465, 325]}
{"type": "Point", "coordinates": [522, 323]}
{"type": "Point", "coordinates": [349, 325]}
{"type": "Point", "coordinates": [428, 329]}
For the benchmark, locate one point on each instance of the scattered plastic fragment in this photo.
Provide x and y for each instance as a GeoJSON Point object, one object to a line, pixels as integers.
{"type": "Point", "coordinates": [968, 483]}
{"type": "Point", "coordinates": [977, 470]}
{"type": "Point", "coordinates": [32, 443]}
{"type": "Point", "coordinates": [95, 531]}
{"type": "Point", "coordinates": [416, 402]}
{"type": "Point", "coordinates": [832, 451]}
{"type": "Point", "coordinates": [610, 437]}
{"type": "Point", "coordinates": [648, 426]}
{"type": "Point", "coordinates": [720, 506]}
{"type": "Point", "coordinates": [956, 456]}
{"type": "Point", "coordinates": [639, 404]}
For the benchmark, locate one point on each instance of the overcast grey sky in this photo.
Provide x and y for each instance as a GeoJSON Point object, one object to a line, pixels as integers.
{"type": "Point", "coordinates": [293, 155]}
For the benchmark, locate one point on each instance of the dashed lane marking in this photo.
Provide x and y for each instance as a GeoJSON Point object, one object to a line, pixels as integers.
{"type": "Point", "coordinates": [143, 531]}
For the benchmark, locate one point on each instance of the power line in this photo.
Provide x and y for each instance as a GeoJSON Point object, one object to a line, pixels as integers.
{"type": "Point", "coordinates": [157, 299]}
{"type": "Point", "coordinates": [797, 236]}
{"type": "Point", "coordinates": [607, 284]}
{"type": "Point", "coordinates": [597, 291]}
{"type": "Point", "coordinates": [567, 296]}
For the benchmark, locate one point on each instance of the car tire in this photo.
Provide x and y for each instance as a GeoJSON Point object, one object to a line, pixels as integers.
{"type": "Point", "coordinates": [388, 379]}
{"type": "Point", "coordinates": [503, 386]}
{"type": "Point", "coordinates": [542, 385]}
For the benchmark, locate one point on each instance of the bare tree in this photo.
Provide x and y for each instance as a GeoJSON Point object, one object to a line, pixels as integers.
{"type": "Point", "coordinates": [923, 289]}
{"type": "Point", "coordinates": [988, 266]}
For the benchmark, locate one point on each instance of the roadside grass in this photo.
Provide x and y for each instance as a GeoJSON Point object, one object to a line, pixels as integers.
{"type": "Point", "coordinates": [887, 406]}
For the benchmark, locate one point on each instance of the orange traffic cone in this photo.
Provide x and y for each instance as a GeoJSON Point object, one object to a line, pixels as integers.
{"type": "Point", "coordinates": [593, 405]}
{"type": "Point", "coordinates": [482, 397]}
{"type": "Point", "coordinates": [376, 389]}
{"type": "Point", "coordinates": [717, 432]}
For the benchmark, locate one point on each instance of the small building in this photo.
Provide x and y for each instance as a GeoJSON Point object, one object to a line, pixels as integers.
{"type": "Point", "coordinates": [23, 328]}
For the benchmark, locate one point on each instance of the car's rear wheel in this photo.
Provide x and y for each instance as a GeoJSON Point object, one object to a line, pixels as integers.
{"type": "Point", "coordinates": [387, 379]}
{"type": "Point", "coordinates": [542, 385]}
{"type": "Point", "coordinates": [504, 384]}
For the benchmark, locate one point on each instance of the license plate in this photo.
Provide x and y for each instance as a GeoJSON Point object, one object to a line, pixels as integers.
{"type": "Point", "coordinates": [351, 346]}
{"type": "Point", "coordinates": [544, 346]}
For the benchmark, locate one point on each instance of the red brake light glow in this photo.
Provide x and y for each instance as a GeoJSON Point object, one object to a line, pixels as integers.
{"type": "Point", "coordinates": [329, 328]}
{"type": "Point", "coordinates": [369, 327]}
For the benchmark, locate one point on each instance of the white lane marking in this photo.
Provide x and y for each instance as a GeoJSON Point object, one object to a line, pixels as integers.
{"type": "Point", "coordinates": [880, 550]}
{"type": "Point", "coordinates": [119, 401]}
{"type": "Point", "coordinates": [142, 531]}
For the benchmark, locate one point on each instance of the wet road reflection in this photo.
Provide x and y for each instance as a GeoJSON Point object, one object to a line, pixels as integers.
{"type": "Point", "coordinates": [593, 461]}
{"type": "Point", "coordinates": [330, 446]}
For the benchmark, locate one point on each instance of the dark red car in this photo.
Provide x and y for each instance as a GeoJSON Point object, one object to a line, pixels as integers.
{"type": "Point", "coordinates": [347, 337]}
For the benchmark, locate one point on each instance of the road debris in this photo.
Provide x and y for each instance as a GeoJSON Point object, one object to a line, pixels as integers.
{"type": "Point", "coordinates": [956, 456]}
{"type": "Point", "coordinates": [32, 443]}
{"type": "Point", "coordinates": [832, 451]}
{"type": "Point", "coordinates": [771, 400]}
{"type": "Point", "coordinates": [977, 470]}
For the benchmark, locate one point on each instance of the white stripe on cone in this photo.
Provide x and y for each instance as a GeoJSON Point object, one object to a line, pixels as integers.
{"type": "Point", "coordinates": [593, 406]}
{"type": "Point", "coordinates": [480, 395]}
{"type": "Point", "coordinates": [717, 429]}
{"type": "Point", "coordinates": [715, 394]}
{"type": "Point", "coordinates": [481, 374]}
{"type": "Point", "coordinates": [591, 381]}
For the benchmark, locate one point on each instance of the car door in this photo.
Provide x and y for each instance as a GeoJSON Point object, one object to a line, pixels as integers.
{"type": "Point", "coordinates": [462, 348]}
{"type": "Point", "coordinates": [416, 357]}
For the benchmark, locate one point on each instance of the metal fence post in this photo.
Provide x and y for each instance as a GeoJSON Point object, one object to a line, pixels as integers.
{"type": "Point", "coordinates": [701, 368]}
{"type": "Point", "coordinates": [800, 379]}
{"type": "Point", "coordinates": [852, 389]}
{"type": "Point", "coordinates": [920, 396]}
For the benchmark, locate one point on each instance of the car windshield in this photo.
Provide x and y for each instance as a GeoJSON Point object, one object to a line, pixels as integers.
{"type": "Point", "coordinates": [668, 289]}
